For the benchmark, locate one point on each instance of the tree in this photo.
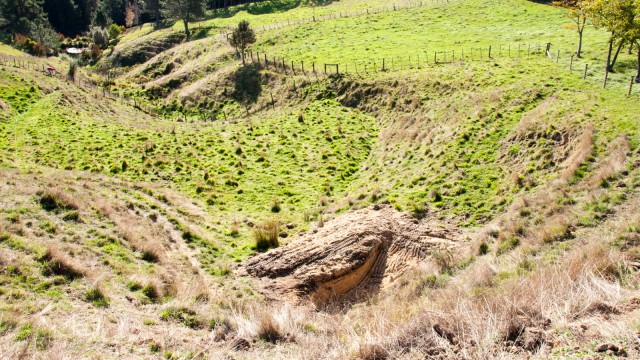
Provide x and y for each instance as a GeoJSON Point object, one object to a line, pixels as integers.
{"type": "Point", "coordinates": [185, 10]}
{"type": "Point", "coordinates": [21, 16]}
{"type": "Point", "coordinates": [242, 36]}
{"type": "Point", "coordinates": [618, 17]}
{"type": "Point", "coordinates": [577, 12]}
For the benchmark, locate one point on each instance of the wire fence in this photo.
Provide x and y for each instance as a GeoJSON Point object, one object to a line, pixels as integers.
{"type": "Point", "coordinates": [99, 90]}
{"type": "Point", "coordinates": [226, 31]}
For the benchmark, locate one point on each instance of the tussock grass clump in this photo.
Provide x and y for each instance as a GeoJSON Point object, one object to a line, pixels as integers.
{"type": "Point", "coordinates": [41, 337]}
{"type": "Point", "coordinates": [149, 254]}
{"type": "Point", "coordinates": [269, 330]}
{"type": "Point", "coordinates": [152, 292]}
{"type": "Point", "coordinates": [372, 352]}
{"type": "Point", "coordinates": [56, 263]}
{"type": "Point", "coordinates": [183, 315]}
{"type": "Point", "coordinates": [56, 200]}
{"type": "Point", "coordinates": [509, 243]}
{"type": "Point", "coordinates": [72, 215]}
{"type": "Point", "coordinates": [556, 231]}
{"type": "Point", "coordinates": [97, 297]}
{"type": "Point", "coordinates": [266, 235]}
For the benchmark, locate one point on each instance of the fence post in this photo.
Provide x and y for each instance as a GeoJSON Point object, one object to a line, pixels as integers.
{"type": "Point", "coordinates": [382, 64]}
{"type": "Point", "coordinates": [558, 57]}
{"type": "Point", "coordinates": [586, 68]}
{"type": "Point", "coordinates": [571, 63]}
{"type": "Point", "coordinates": [489, 51]}
{"type": "Point", "coordinates": [633, 79]}
{"type": "Point", "coordinates": [313, 65]}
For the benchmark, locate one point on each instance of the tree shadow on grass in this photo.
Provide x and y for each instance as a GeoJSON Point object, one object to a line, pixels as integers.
{"type": "Point", "coordinates": [247, 84]}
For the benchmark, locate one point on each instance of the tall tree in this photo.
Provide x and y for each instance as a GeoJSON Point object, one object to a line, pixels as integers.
{"type": "Point", "coordinates": [185, 10]}
{"type": "Point", "coordinates": [241, 37]}
{"type": "Point", "coordinates": [21, 16]}
{"type": "Point", "coordinates": [618, 17]}
{"type": "Point", "coordinates": [577, 12]}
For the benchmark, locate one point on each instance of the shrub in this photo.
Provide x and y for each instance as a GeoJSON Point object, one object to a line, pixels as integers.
{"type": "Point", "coordinates": [114, 31]}
{"type": "Point", "coordinates": [97, 297]}
{"type": "Point", "coordinates": [96, 51]}
{"type": "Point", "coordinates": [266, 235]}
{"type": "Point", "coordinates": [99, 35]}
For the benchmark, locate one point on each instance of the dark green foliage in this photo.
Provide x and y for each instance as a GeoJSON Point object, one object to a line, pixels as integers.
{"type": "Point", "coordinates": [242, 37]}
{"type": "Point", "coordinates": [21, 16]}
{"type": "Point", "coordinates": [185, 10]}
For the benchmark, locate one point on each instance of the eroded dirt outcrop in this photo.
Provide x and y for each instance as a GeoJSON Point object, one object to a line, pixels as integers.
{"type": "Point", "coordinates": [352, 257]}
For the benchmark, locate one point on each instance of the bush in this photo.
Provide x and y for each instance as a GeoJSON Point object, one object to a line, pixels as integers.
{"type": "Point", "coordinates": [99, 35]}
{"type": "Point", "coordinates": [96, 51]}
{"type": "Point", "coordinates": [266, 235]}
{"type": "Point", "coordinates": [115, 31]}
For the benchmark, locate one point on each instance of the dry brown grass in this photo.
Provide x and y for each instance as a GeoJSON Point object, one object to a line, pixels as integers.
{"type": "Point", "coordinates": [581, 152]}
{"type": "Point", "coordinates": [613, 163]}
{"type": "Point", "coordinates": [55, 262]}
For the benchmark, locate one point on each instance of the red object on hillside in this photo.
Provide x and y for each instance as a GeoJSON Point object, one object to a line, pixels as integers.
{"type": "Point", "coordinates": [52, 71]}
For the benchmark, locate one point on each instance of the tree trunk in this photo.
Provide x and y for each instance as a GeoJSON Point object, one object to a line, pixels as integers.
{"type": "Point", "coordinates": [242, 54]}
{"type": "Point", "coordinates": [580, 44]}
{"type": "Point", "coordinates": [186, 28]}
{"type": "Point", "coordinates": [615, 58]}
{"type": "Point", "coordinates": [608, 68]}
{"type": "Point", "coordinates": [638, 74]}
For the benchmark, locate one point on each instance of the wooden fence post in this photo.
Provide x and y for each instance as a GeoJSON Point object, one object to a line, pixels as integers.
{"type": "Point", "coordinates": [586, 68]}
{"type": "Point", "coordinates": [558, 57]}
{"type": "Point", "coordinates": [571, 63]}
{"type": "Point", "coordinates": [489, 51]}
{"type": "Point", "coordinates": [633, 79]}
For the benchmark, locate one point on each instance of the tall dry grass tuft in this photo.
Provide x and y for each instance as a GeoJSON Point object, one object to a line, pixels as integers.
{"type": "Point", "coordinates": [581, 152]}
{"type": "Point", "coordinates": [613, 164]}
{"type": "Point", "coordinates": [55, 199]}
{"type": "Point", "coordinates": [57, 263]}
{"type": "Point", "coordinates": [266, 235]}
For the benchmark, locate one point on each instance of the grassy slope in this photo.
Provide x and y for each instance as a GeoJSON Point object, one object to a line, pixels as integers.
{"type": "Point", "coordinates": [473, 143]}
{"type": "Point", "coordinates": [470, 26]}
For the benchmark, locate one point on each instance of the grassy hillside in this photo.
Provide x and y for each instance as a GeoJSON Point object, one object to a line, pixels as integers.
{"type": "Point", "coordinates": [120, 230]}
